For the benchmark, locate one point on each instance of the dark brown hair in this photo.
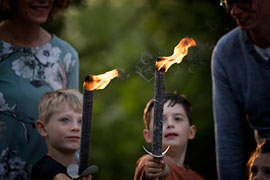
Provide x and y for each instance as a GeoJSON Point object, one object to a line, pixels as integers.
{"type": "Point", "coordinates": [9, 7]}
{"type": "Point", "coordinates": [173, 98]}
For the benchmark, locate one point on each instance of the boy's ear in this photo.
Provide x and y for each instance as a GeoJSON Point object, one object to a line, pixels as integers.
{"type": "Point", "coordinates": [147, 135]}
{"type": "Point", "coordinates": [41, 128]}
{"type": "Point", "coordinates": [192, 132]}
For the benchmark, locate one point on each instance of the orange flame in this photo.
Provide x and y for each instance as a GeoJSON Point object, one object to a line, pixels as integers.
{"type": "Point", "coordinates": [99, 81]}
{"type": "Point", "coordinates": [180, 51]}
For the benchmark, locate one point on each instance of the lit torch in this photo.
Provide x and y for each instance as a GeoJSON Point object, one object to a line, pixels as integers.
{"type": "Point", "coordinates": [91, 83]}
{"type": "Point", "coordinates": [162, 65]}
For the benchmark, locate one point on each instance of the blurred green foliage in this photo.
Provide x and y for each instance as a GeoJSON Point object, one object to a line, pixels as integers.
{"type": "Point", "coordinates": [129, 35]}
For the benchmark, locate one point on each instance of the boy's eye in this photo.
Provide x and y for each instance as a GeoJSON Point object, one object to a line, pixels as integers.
{"type": "Point", "coordinates": [65, 120]}
{"type": "Point", "coordinates": [177, 118]}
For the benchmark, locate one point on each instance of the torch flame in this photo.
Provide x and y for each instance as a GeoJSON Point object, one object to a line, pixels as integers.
{"type": "Point", "coordinates": [180, 51]}
{"type": "Point", "coordinates": [99, 81]}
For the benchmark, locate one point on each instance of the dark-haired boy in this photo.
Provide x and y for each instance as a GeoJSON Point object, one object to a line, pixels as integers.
{"type": "Point", "coordinates": [177, 131]}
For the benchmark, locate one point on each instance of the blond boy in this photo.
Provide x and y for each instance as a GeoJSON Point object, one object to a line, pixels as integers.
{"type": "Point", "coordinates": [60, 116]}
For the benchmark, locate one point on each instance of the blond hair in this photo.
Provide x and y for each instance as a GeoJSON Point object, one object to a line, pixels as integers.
{"type": "Point", "coordinates": [51, 100]}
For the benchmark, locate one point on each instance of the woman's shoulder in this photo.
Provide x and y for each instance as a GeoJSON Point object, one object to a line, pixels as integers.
{"type": "Point", "coordinates": [62, 44]}
{"type": "Point", "coordinates": [230, 44]}
{"type": "Point", "coordinates": [231, 38]}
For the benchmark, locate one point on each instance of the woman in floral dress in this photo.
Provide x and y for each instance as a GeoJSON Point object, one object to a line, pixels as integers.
{"type": "Point", "coordinates": [32, 62]}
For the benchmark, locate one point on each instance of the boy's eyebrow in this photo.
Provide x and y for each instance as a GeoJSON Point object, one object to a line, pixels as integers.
{"type": "Point", "coordinates": [178, 114]}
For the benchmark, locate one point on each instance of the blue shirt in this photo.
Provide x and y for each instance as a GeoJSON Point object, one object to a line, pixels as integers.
{"type": "Point", "coordinates": [240, 79]}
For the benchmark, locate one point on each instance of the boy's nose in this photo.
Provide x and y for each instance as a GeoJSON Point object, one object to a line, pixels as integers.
{"type": "Point", "coordinates": [76, 126]}
{"type": "Point", "coordinates": [169, 123]}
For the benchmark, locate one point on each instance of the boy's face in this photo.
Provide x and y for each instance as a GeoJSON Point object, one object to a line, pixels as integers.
{"type": "Point", "coordinates": [63, 131]}
{"type": "Point", "coordinates": [176, 128]}
{"type": "Point", "coordinates": [260, 168]}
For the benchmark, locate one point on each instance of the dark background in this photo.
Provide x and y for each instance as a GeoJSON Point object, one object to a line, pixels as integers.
{"type": "Point", "coordinates": [129, 35]}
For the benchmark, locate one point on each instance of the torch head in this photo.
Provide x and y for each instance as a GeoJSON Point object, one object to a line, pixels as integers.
{"type": "Point", "coordinates": [95, 82]}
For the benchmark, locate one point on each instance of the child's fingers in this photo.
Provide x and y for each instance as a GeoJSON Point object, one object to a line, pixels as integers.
{"type": "Point", "coordinates": [160, 161]}
{"type": "Point", "coordinates": [152, 173]}
{"type": "Point", "coordinates": [157, 162]}
{"type": "Point", "coordinates": [153, 164]}
{"type": "Point", "coordinates": [153, 168]}
{"type": "Point", "coordinates": [156, 159]}
{"type": "Point", "coordinates": [89, 177]}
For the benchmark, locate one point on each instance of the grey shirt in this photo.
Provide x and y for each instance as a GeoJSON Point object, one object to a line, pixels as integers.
{"type": "Point", "coordinates": [241, 81]}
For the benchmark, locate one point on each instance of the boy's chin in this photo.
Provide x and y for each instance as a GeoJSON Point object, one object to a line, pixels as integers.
{"type": "Point", "coordinates": [164, 147]}
{"type": "Point", "coordinates": [172, 146]}
{"type": "Point", "coordinates": [72, 149]}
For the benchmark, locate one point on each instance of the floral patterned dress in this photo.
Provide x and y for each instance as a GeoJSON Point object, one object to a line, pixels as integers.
{"type": "Point", "coordinates": [25, 75]}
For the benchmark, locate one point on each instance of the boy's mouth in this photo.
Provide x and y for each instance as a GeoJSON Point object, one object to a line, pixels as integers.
{"type": "Point", "coordinates": [74, 137]}
{"type": "Point", "coordinates": [171, 135]}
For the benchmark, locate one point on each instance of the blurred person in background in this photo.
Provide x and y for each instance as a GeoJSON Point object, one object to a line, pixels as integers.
{"type": "Point", "coordinates": [241, 84]}
{"type": "Point", "coordinates": [32, 62]}
{"type": "Point", "coordinates": [258, 165]}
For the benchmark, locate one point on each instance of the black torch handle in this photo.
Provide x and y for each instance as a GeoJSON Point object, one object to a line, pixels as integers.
{"type": "Point", "coordinates": [86, 129]}
{"type": "Point", "coordinates": [158, 113]}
